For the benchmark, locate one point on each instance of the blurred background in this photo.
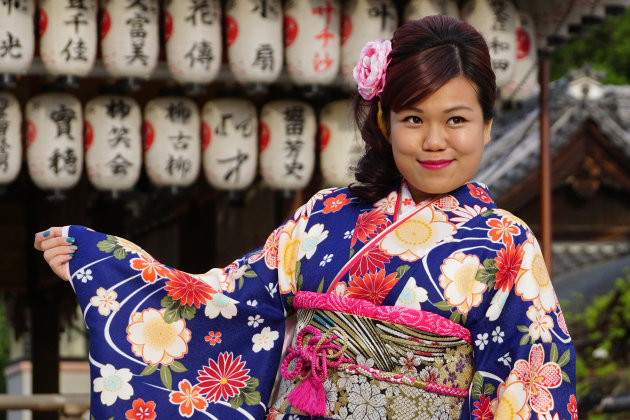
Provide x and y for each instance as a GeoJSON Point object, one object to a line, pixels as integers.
{"type": "Point", "coordinates": [194, 127]}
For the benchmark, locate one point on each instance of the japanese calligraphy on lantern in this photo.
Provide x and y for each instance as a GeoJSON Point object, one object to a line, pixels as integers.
{"type": "Point", "coordinates": [287, 144]}
{"type": "Point", "coordinates": [363, 21]}
{"type": "Point", "coordinates": [17, 36]}
{"type": "Point", "coordinates": [193, 39]}
{"type": "Point", "coordinates": [312, 42]}
{"type": "Point", "coordinates": [230, 143]}
{"type": "Point", "coordinates": [67, 36]}
{"type": "Point", "coordinates": [417, 9]}
{"type": "Point", "coordinates": [340, 144]}
{"type": "Point", "coordinates": [496, 20]}
{"type": "Point", "coordinates": [113, 142]}
{"type": "Point", "coordinates": [524, 82]}
{"type": "Point", "coordinates": [10, 139]}
{"type": "Point", "coordinates": [172, 141]}
{"type": "Point", "coordinates": [129, 37]}
{"type": "Point", "coordinates": [54, 141]}
{"type": "Point", "coordinates": [254, 40]}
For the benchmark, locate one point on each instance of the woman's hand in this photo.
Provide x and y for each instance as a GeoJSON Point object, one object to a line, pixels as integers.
{"type": "Point", "coordinates": [58, 250]}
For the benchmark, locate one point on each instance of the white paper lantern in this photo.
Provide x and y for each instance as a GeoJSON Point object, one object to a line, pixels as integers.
{"type": "Point", "coordinates": [172, 145]}
{"type": "Point", "coordinates": [193, 40]}
{"type": "Point", "coordinates": [129, 37]}
{"type": "Point", "coordinates": [363, 21]}
{"type": "Point", "coordinates": [340, 144]}
{"type": "Point", "coordinates": [254, 40]}
{"type": "Point", "coordinates": [113, 142]}
{"type": "Point", "coordinates": [524, 82]}
{"type": "Point", "coordinates": [312, 41]}
{"type": "Point", "coordinates": [287, 144]}
{"type": "Point", "coordinates": [67, 37]}
{"type": "Point", "coordinates": [496, 20]}
{"type": "Point", "coordinates": [230, 143]}
{"type": "Point", "coordinates": [10, 138]}
{"type": "Point", "coordinates": [17, 37]}
{"type": "Point", "coordinates": [417, 9]}
{"type": "Point", "coordinates": [54, 140]}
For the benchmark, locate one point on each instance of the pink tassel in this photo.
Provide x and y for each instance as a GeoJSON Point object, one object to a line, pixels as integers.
{"type": "Point", "coordinates": [309, 397]}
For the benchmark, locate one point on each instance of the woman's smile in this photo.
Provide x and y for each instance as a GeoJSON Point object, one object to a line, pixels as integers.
{"type": "Point", "coordinates": [435, 164]}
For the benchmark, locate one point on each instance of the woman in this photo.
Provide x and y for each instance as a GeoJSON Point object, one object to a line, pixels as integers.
{"type": "Point", "coordinates": [415, 296]}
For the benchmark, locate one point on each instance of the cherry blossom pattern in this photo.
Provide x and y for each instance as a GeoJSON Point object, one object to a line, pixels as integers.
{"type": "Point", "coordinates": [105, 301]}
{"type": "Point", "coordinates": [141, 410]}
{"type": "Point", "coordinates": [388, 204]}
{"type": "Point", "coordinates": [288, 247]}
{"type": "Point", "coordinates": [188, 398]}
{"type": "Point", "coordinates": [310, 241]}
{"type": "Point", "coordinates": [412, 295]}
{"type": "Point", "coordinates": [264, 340]}
{"type": "Point", "coordinates": [502, 230]}
{"type": "Point", "coordinates": [479, 193]}
{"type": "Point", "coordinates": [572, 407]}
{"type": "Point", "coordinates": [334, 204]}
{"type": "Point", "coordinates": [533, 280]}
{"type": "Point", "coordinates": [150, 268]}
{"type": "Point", "coordinates": [222, 305]}
{"type": "Point", "coordinates": [511, 402]}
{"type": "Point", "coordinates": [222, 379]}
{"type": "Point", "coordinates": [461, 288]}
{"type": "Point", "coordinates": [113, 384]}
{"type": "Point", "coordinates": [213, 337]}
{"type": "Point", "coordinates": [541, 324]}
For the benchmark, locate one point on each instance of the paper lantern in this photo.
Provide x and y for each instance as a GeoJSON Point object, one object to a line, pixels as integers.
{"type": "Point", "coordinates": [417, 9]}
{"type": "Point", "coordinates": [524, 82]}
{"type": "Point", "coordinates": [54, 140]}
{"type": "Point", "coordinates": [287, 144]}
{"type": "Point", "coordinates": [17, 37]}
{"type": "Point", "coordinates": [129, 37]}
{"type": "Point", "coordinates": [10, 138]}
{"type": "Point", "coordinates": [172, 141]}
{"type": "Point", "coordinates": [230, 143]}
{"type": "Point", "coordinates": [340, 144]}
{"type": "Point", "coordinates": [363, 21]}
{"type": "Point", "coordinates": [113, 142]}
{"type": "Point", "coordinates": [254, 40]}
{"type": "Point", "coordinates": [67, 36]}
{"type": "Point", "coordinates": [193, 40]}
{"type": "Point", "coordinates": [496, 20]}
{"type": "Point", "coordinates": [312, 41]}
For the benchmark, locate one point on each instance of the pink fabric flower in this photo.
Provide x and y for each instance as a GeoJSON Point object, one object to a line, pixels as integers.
{"type": "Point", "coordinates": [370, 71]}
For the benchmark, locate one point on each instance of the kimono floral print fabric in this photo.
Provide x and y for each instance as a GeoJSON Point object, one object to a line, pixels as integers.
{"type": "Point", "coordinates": [435, 310]}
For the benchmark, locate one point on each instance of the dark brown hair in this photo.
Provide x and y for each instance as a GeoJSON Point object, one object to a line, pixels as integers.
{"type": "Point", "coordinates": [426, 54]}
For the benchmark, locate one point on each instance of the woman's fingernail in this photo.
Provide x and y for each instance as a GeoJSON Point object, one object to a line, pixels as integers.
{"type": "Point", "coordinates": [70, 239]}
{"type": "Point", "coordinates": [71, 255]}
{"type": "Point", "coordinates": [46, 234]}
{"type": "Point", "coordinates": [73, 247]}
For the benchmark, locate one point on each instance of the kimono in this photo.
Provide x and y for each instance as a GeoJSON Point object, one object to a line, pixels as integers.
{"type": "Point", "coordinates": [387, 310]}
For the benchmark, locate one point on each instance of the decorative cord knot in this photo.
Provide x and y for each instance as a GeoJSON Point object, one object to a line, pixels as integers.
{"type": "Point", "coordinates": [315, 354]}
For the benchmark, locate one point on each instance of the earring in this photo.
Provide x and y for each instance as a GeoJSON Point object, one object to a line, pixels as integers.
{"type": "Point", "coordinates": [380, 120]}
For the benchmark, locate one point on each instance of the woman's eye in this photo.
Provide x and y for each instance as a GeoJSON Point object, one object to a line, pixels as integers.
{"type": "Point", "coordinates": [413, 119]}
{"type": "Point", "coordinates": [457, 120]}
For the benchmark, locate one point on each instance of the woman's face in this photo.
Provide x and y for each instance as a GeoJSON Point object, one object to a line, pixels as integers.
{"type": "Point", "coordinates": [437, 143]}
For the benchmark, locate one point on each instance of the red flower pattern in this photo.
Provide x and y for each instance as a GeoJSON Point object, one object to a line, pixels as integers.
{"type": "Point", "coordinates": [370, 261]}
{"type": "Point", "coordinates": [187, 289]}
{"type": "Point", "coordinates": [502, 230]}
{"type": "Point", "coordinates": [150, 268]}
{"type": "Point", "coordinates": [213, 337]}
{"type": "Point", "coordinates": [188, 398]}
{"type": "Point", "coordinates": [483, 408]}
{"type": "Point", "coordinates": [479, 193]}
{"type": "Point", "coordinates": [141, 410]}
{"type": "Point", "coordinates": [572, 407]}
{"type": "Point", "coordinates": [372, 287]}
{"type": "Point", "coordinates": [538, 377]}
{"type": "Point", "coordinates": [222, 379]}
{"type": "Point", "coordinates": [508, 262]}
{"type": "Point", "coordinates": [367, 225]}
{"type": "Point", "coordinates": [334, 204]}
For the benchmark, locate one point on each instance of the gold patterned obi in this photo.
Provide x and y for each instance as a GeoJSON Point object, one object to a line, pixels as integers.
{"type": "Point", "coordinates": [353, 359]}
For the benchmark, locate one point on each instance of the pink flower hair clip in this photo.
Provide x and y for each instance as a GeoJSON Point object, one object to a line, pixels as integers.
{"type": "Point", "coordinates": [370, 71]}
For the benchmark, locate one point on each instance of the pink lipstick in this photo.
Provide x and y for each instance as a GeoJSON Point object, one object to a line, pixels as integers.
{"type": "Point", "coordinates": [435, 164]}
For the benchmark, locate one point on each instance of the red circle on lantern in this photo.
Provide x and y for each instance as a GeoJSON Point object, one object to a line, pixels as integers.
{"type": "Point", "coordinates": [231, 29]}
{"type": "Point", "coordinates": [206, 135]}
{"type": "Point", "coordinates": [106, 23]}
{"type": "Point", "coordinates": [324, 137]}
{"type": "Point", "coordinates": [149, 135]}
{"type": "Point", "coordinates": [346, 28]}
{"type": "Point", "coordinates": [168, 26]}
{"type": "Point", "coordinates": [264, 134]}
{"type": "Point", "coordinates": [523, 44]}
{"type": "Point", "coordinates": [290, 30]}
{"type": "Point", "coordinates": [31, 133]}
{"type": "Point", "coordinates": [88, 135]}
{"type": "Point", "coordinates": [43, 22]}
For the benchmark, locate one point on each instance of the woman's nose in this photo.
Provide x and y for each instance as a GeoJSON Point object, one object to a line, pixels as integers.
{"type": "Point", "coordinates": [434, 139]}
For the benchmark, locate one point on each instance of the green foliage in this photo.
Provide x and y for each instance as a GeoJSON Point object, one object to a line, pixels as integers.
{"type": "Point", "coordinates": [605, 46]}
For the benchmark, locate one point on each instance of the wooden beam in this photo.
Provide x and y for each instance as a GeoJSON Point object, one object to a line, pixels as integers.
{"type": "Point", "coordinates": [545, 160]}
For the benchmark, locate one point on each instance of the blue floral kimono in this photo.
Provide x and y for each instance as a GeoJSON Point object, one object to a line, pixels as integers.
{"type": "Point", "coordinates": [387, 310]}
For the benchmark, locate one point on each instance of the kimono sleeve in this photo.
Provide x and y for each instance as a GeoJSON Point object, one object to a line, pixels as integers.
{"type": "Point", "coordinates": [523, 354]}
{"type": "Point", "coordinates": [177, 344]}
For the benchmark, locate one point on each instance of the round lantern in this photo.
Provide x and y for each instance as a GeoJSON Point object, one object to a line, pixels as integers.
{"type": "Point", "coordinates": [10, 138]}
{"type": "Point", "coordinates": [129, 37]}
{"type": "Point", "coordinates": [67, 36]}
{"type": "Point", "coordinates": [113, 142]}
{"type": "Point", "coordinates": [363, 21]}
{"type": "Point", "coordinates": [340, 145]}
{"type": "Point", "coordinates": [496, 20]}
{"type": "Point", "coordinates": [171, 141]}
{"type": "Point", "coordinates": [524, 82]}
{"type": "Point", "coordinates": [417, 9]}
{"type": "Point", "coordinates": [254, 40]}
{"type": "Point", "coordinates": [287, 144]}
{"type": "Point", "coordinates": [312, 42]}
{"type": "Point", "coordinates": [230, 143]}
{"type": "Point", "coordinates": [54, 140]}
{"type": "Point", "coordinates": [193, 40]}
{"type": "Point", "coordinates": [17, 39]}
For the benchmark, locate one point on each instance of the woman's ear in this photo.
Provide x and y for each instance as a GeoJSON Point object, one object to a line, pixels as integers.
{"type": "Point", "coordinates": [486, 131]}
